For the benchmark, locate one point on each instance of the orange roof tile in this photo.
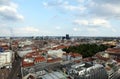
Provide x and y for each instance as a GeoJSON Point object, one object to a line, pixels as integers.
{"type": "Point", "coordinates": [101, 58]}
{"type": "Point", "coordinates": [27, 64]}
{"type": "Point", "coordinates": [77, 61]}
{"type": "Point", "coordinates": [59, 47]}
{"type": "Point", "coordinates": [88, 59]}
{"type": "Point", "coordinates": [75, 55]}
{"type": "Point", "coordinates": [54, 60]}
{"type": "Point", "coordinates": [32, 54]}
{"type": "Point", "coordinates": [113, 50]}
{"type": "Point", "coordinates": [40, 59]}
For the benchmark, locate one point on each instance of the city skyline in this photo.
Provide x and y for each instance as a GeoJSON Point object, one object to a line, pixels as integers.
{"type": "Point", "coordinates": [59, 17]}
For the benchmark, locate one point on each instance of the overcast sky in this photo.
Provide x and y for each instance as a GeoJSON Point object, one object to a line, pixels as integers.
{"type": "Point", "coordinates": [59, 17]}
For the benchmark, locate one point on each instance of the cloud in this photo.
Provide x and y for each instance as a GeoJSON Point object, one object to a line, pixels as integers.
{"type": "Point", "coordinates": [53, 3]}
{"type": "Point", "coordinates": [65, 5]}
{"type": "Point", "coordinates": [76, 29]}
{"type": "Point", "coordinates": [18, 31]}
{"type": "Point", "coordinates": [4, 31]}
{"type": "Point", "coordinates": [29, 31]}
{"type": "Point", "coordinates": [107, 1]}
{"type": "Point", "coordinates": [92, 30]}
{"type": "Point", "coordinates": [96, 22]}
{"type": "Point", "coordinates": [114, 30]}
{"type": "Point", "coordinates": [81, 22]}
{"type": "Point", "coordinates": [93, 15]}
{"type": "Point", "coordinates": [104, 8]}
{"type": "Point", "coordinates": [22, 31]}
{"type": "Point", "coordinates": [81, 1]}
{"type": "Point", "coordinates": [73, 8]}
{"type": "Point", "coordinates": [26, 30]}
{"type": "Point", "coordinates": [58, 27]}
{"type": "Point", "coordinates": [4, 1]}
{"type": "Point", "coordinates": [8, 11]}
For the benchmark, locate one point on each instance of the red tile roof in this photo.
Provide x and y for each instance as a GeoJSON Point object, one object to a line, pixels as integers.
{"type": "Point", "coordinates": [36, 59]}
{"type": "Point", "coordinates": [75, 55]}
{"type": "Point", "coordinates": [32, 54]}
{"type": "Point", "coordinates": [5, 47]}
{"type": "Point", "coordinates": [101, 58]}
{"type": "Point", "coordinates": [59, 47]}
{"type": "Point", "coordinates": [54, 60]}
{"type": "Point", "coordinates": [77, 61]}
{"type": "Point", "coordinates": [88, 59]}
{"type": "Point", "coordinates": [113, 50]}
{"type": "Point", "coordinates": [27, 64]}
{"type": "Point", "coordinates": [39, 59]}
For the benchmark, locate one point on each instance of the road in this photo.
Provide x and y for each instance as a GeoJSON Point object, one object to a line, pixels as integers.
{"type": "Point", "coordinates": [15, 70]}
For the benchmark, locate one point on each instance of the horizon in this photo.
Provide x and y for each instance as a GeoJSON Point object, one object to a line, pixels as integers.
{"type": "Point", "coordinates": [57, 36]}
{"type": "Point", "coordinates": [87, 18]}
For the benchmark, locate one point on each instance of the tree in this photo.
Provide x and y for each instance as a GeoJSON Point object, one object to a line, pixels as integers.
{"type": "Point", "coordinates": [87, 50]}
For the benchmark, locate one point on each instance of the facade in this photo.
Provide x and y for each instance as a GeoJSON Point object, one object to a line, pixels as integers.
{"type": "Point", "coordinates": [6, 58]}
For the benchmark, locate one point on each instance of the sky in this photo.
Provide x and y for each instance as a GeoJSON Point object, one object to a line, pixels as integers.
{"type": "Point", "coordinates": [59, 17]}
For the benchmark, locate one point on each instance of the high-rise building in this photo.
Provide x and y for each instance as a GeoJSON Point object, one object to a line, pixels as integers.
{"type": "Point", "coordinates": [67, 36]}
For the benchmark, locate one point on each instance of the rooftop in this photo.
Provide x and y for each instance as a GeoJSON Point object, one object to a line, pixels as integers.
{"type": "Point", "coordinates": [113, 50]}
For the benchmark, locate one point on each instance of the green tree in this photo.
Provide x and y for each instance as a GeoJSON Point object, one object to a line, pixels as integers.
{"type": "Point", "coordinates": [87, 50]}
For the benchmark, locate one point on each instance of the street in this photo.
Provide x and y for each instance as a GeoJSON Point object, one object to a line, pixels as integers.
{"type": "Point", "coordinates": [15, 70]}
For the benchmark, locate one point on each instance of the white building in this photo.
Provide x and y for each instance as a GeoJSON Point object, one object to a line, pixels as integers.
{"type": "Point", "coordinates": [24, 52]}
{"type": "Point", "coordinates": [6, 59]}
{"type": "Point", "coordinates": [57, 53]}
{"type": "Point", "coordinates": [23, 43]}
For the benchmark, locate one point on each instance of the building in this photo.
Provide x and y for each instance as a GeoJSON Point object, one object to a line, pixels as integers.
{"type": "Point", "coordinates": [88, 71]}
{"type": "Point", "coordinates": [56, 53]}
{"type": "Point", "coordinates": [24, 51]}
{"type": "Point", "coordinates": [6, 59]}
{"type": "Point", "coordinates": [25, 43]}
{"type": "Point", "coordinates": [32, 63]}
{"type": "Point", "coordinates": [114, 53]}
{"type": "Point", "coordinates": [67, 36]}
{"type": "Point", "coordinates": [54, 75]}
{"type": "Point", "coordinates": [71, 56]}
